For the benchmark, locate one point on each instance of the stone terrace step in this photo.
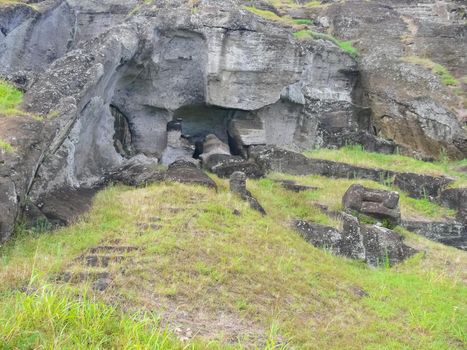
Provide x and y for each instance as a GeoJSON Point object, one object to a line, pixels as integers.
{"type": "Point", "coordinates": [110, 248]}
{"type": "Point", "coordinates": [102, 260]}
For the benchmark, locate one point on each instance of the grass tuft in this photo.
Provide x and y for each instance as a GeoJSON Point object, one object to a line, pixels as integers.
{"type": "Point", "coordinates": [446, 77]}
{"type": "Point", "coordinates": [6, 147]}
{"type": "Point", "coordinates": [346, 46]}
{"type": "Point", "coordinates": [52, 318]}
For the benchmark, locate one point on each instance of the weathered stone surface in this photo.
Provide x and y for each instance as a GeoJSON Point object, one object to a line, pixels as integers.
{"type": "Point", "coordinates": [80, 61]}
{"type": "Point", "coordinates": [449, 233]}
{"type": "Point", "coordinates": [380, 204]}
{"type": "Point", "coordinates": [375, 245]}
{"type": "Point", "coordinates": [409, 104]}
{"type": "Point", "coordinates": [33, 37]}
{"type": "Point", "coordinates": [65, 205]}
{"type": "Point", "coordinates": [281, 160]}
{"type": "Point", "coordinates": [138, 171]}
{"type": "Point", "coordinates": [177, 148]}
{"type": "Point", "coordinates": [421, 186]}
{"type": "Point", "coordinates": [320, 236]}
{"type": "Point", "coordinates": [216, 158]}
{"type": "Point", "coordinates": [188, 173]}
{"type": "Point", "coordinates": [455, 198]}
{"type": "Point", "coordinates": [238, 185]}
{"type": "Point", "coordinates": [17, 166]}
{"type": "Point", "coordinates": [247, 132]}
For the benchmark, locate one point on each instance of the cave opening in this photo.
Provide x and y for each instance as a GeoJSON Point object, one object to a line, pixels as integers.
{"type": "Point", "coordinates": [169, 135]}
{"type": "Point", "coordinates": [198, 121]}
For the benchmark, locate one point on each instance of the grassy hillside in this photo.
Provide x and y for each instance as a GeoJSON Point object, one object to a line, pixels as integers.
{"type": "Point", "coordinates": [218, 275]}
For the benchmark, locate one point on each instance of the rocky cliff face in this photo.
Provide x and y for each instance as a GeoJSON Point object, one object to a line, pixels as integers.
{"type": "Point", "coordinates": [399, 42]}
{"type": "Point", "coordinates": [108, 76]}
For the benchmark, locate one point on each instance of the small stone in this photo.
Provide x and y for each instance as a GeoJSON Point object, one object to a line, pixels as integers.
{"type": "Point", "coordinates": [101, 284]}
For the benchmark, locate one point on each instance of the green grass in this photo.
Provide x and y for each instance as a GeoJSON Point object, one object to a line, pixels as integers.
{"type": "Point", "coordinates": [356, 155]}
{"type": "Point", "coordinates": [53, 319]}
{"type": "Point", "coordinates": [6, 146]}
{"type": "Point", "coordinates": [264, 13]}
{"type": "Point", "coordinates": [10, 98]}
{"type": "Point", "coordinates": [212, 257]}
{"type": "Point", "coordinates": [346, 46]}
{"type": "Point", "coordinates": [303, 21]}
{"type": "Point", "coordinates": [284, 5]}
{"type": "Point", "coordinates": [446, 77]}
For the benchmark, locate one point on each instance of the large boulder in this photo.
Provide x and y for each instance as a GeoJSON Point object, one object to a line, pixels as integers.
{"type": "Point", "coordinates": [247, 132]}
{"type": "Point", "coordinates": [380, 204]}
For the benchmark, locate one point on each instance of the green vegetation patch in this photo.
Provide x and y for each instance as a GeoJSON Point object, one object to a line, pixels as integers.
{"type": "Point", "coordinates": [356, 155]}
{"type": "Point", "coordinates": [52, 318]}
{"type": "Point", "coordinates": [269, 15]}
{"type": "Point", "coordinates": [10, 98]}
{"type": "Point", "coordinates": [303, 21]}
{"type": "Point", "coordinates": [446, 77]}
{"type": "Point", "coordinates": [346, 46]}
{"type": "Point", "coordinates": [6, 146]}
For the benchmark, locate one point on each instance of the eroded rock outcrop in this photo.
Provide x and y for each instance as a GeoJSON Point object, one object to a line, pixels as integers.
{"type": "Point", "coordinates": [399, 41]}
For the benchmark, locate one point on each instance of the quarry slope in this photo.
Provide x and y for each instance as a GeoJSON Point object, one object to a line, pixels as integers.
{"type": "Point", "coordinates": [179, 265]}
